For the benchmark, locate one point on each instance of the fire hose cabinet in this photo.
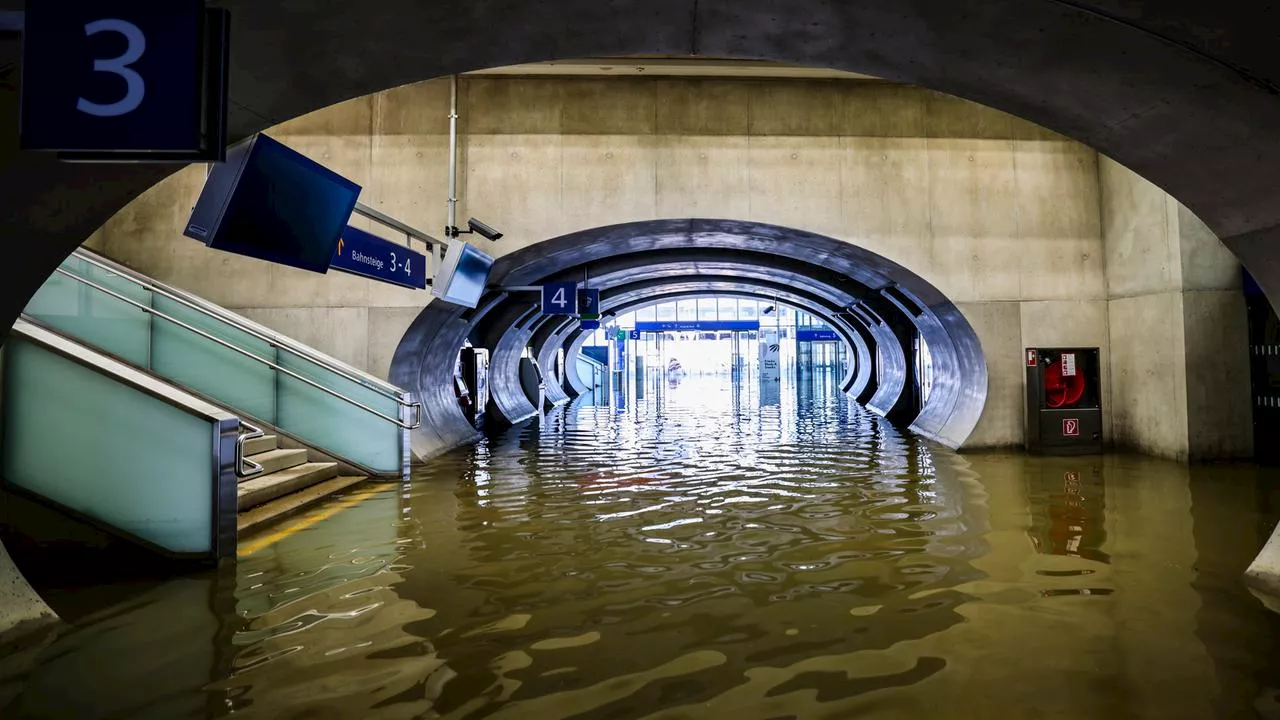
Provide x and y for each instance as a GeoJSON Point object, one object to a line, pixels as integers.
{"type": "Point", "coordinates": [1064, 401]}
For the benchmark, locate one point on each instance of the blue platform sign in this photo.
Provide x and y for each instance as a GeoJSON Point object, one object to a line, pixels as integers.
{"type": "Point", "coordinates": [818, 335]}
{"type": "Point", "coordinates": [691, 325]}
{"type": "Point", "coordinates": [635, 334]}
{"type": "Point", "coordinates": [366, 254]}
{"type": "Point", "coordinates": [114, 76]}
{"type": "Point", "coordinates": [560, 298]}
{"type": "Point", "coordinates": [589, 324]}
{"type": "Point", "coordinates": [589, 303]}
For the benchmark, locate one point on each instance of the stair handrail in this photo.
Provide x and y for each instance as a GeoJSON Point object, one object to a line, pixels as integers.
{"type": "Point", "coordinates": [246, 468]}
{"type": "Point", "coordinates": [234, 348]}
{"type": "Point", "coordinates": [270, 337]}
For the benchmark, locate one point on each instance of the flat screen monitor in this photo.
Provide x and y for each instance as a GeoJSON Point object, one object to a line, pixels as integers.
{"type": "Point", "coordinates": [462, 275]}
{"type": "Point", "coordinates": [273, 203]}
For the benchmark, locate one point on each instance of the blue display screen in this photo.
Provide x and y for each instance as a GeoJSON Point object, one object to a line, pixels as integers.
{"type": "Point", "coordinates": [283, 207]}
{"type": "Point", "coordinates": [466, 286]}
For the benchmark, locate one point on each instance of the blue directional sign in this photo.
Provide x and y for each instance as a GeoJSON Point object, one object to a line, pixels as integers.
{"type": "Point", "coordinates": [589, 304]}
{"type": "Point", "coordinates": [689, 325]}
{"type": "Point", "coordinates": [560, 298]}
{"type": "Point", "coordinates": [819, 335]}
{"type": "Point", "coordinates": [366, 254]}
{"type": "Point", "coordinates": [635, 334]}
{"type": "Point", "coordinates": [129, 78]}
{"type": "Point", "coordinates": [589, 324]}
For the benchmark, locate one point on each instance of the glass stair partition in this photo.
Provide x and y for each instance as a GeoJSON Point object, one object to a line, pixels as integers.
{"type": "Point", "coordinates": [229, 360]}
{"type": "Point", "coordinates": [117, 448]}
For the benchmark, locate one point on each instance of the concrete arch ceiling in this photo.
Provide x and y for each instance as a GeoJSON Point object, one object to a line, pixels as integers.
{"type": "Point", "coordinates": [839, 272]}
{"type": "Point", "coordinates": [522, 326]}
{"type": "Point", "coordinates": [1182, 92]}
{"type": "Point", "coordinates": [633, 260]}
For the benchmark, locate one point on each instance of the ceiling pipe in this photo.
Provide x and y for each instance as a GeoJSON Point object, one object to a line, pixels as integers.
{"type": "Point", "coordinates": [451, 219]}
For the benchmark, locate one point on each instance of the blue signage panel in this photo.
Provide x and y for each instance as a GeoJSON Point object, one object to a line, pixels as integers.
{"type": "Point", "coordinates": [635, 334]}
{"type": "Point", "coordinates": [818, 335]}
{"type": "Point", "coordinates": [362, 253]}
{"type": "Point", "coordinates": [560, 298]}
{"type": "Point", "coordinates": [590, 324]}
{"type": "Point", "coordinates": [709, 325]}
{"type": "Point", "coordinates": [113, 75]}
{"type": "Point", "coordinates": [589, 303]}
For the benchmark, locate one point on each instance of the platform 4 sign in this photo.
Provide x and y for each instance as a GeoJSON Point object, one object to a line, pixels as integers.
{"type": "Point", "coordinates": [365, 254]}
{"type": "Point", "coordinates": [560, 298]}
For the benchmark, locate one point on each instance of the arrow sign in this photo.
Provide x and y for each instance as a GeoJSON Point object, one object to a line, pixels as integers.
{"type": "Point", "coordinates": [589, 304]}
{"type": "Point", "coordinates": [367, 255]}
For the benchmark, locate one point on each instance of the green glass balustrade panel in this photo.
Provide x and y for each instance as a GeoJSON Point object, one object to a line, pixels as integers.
{"type": "Point", "coordinates": [202, 365]}
{"type": "Point", "coordinates": [93, 316]}
{"type": "Point", "coordinates": [336, 426]}
{"type": "Point", "coordinates": [107, 450]}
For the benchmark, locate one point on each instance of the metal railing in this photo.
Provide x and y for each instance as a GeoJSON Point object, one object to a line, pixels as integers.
{"type": "Point", "coordinates": [246, 468]}
{"type": "Point", "coordinates": [417, 407]}
{"type": "Point", "coordinates": [217, 312]}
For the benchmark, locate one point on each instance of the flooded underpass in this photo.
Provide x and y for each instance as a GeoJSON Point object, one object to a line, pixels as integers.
{"type": "Point", "coordinates": [708, 551]}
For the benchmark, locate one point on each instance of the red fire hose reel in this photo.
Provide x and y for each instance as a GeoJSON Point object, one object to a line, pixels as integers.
{"type": "Point", "coordinates": [1062, 391]}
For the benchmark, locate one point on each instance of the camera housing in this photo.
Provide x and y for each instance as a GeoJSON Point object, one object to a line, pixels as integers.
{"type": "Point", "coordinates": [483, 230]}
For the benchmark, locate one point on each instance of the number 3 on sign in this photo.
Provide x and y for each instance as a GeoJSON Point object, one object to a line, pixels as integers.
{"type": "Point", "coordinates": [135, 86]}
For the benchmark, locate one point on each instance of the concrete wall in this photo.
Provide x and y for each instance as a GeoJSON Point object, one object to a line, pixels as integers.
{"type": "Point", "coordinates": [1179, 372]}
{"type": "Point", "coordinates": [994, 211]}
{"type": "Point", "coordinates": [999, 214]}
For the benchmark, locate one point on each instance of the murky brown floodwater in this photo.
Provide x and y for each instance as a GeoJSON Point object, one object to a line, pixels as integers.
{"type": "Point", "coordinates": [697, 555]}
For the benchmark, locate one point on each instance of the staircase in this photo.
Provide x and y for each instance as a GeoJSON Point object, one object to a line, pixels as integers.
{"type": "Point", "coordinates": [287, 483]}
{"type": "Point", "coordinates": [330, 425]}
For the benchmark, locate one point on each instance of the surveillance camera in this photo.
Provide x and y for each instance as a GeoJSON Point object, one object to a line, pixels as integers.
{"type": "Point", "coordinates": [483, 230]}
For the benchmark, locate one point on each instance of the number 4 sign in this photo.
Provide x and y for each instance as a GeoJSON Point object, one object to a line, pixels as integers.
{"type": "Point", "coordinates": [560, 298]}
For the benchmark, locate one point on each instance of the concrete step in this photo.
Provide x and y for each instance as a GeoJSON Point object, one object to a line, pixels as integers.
{"type": "Point", "coordinates": [264, 488]}
{"type": "Point", "coordinates": [270, 512]}
{"type": "Point", "coordinates": [260, 445]}
{"type": "Point", "coordinates": [276, 460]}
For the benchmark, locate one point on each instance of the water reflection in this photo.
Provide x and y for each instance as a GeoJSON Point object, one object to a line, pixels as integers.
{"type": "Point", "coordinates": [707, 552]}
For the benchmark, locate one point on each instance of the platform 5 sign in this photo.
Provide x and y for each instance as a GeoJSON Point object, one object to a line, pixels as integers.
{"type": "Point", "coordinates": [134, 79]}
{"type": "Point", "coordinates": [366, 254]}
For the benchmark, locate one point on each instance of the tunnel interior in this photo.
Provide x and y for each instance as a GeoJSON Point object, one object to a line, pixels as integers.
{"type": "Point", "coordinates": [878, 308]}
{"type": "Point", "coordinates": [1185, 96]}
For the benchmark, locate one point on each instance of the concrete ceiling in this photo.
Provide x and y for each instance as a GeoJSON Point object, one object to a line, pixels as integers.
{"type": "Point", "coordinates": [695, 67]}
{"type": "Point", "coordinates": [1185, 93]}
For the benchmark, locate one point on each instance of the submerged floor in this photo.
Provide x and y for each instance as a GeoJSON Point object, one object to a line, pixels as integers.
{"type": "Point", "coordinates": [708, 553]}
